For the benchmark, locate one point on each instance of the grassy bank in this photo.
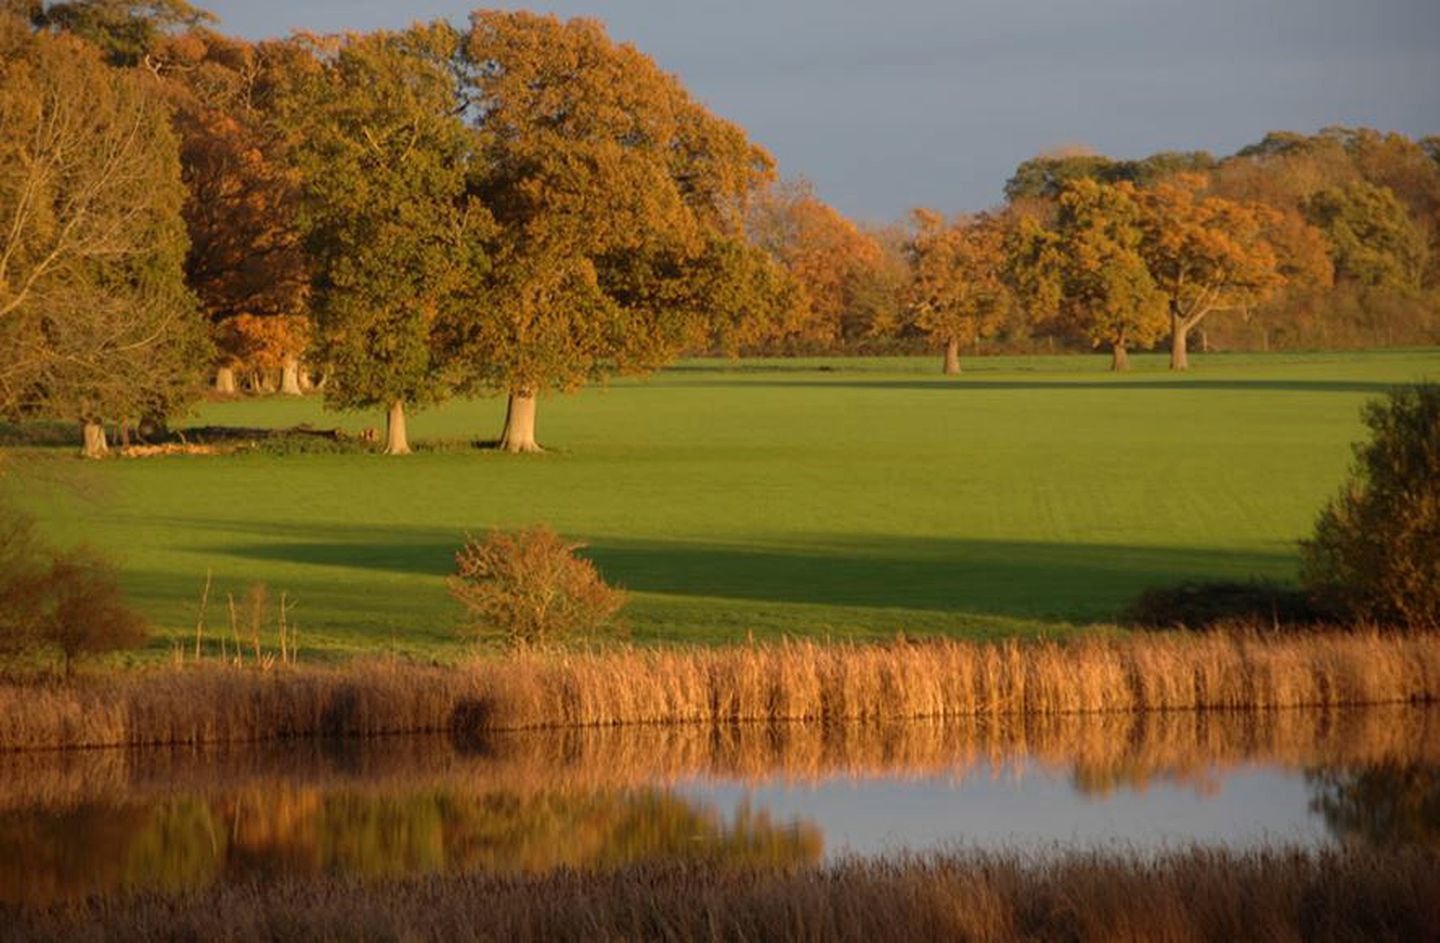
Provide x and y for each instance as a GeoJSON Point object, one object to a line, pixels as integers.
{"type": "Point", "coordinates": [1351, 894]}
{"type": "Point", "coordinates": [793, 681]}
{"type": "Point", "coordinates": [846, 498]}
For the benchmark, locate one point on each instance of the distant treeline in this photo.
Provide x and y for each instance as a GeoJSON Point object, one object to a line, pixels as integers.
{"type": "Point", "coordinates": [520, 206]}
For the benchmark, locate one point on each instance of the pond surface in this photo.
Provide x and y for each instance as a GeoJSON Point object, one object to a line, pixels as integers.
{"type": "Point", "coordinates": [113, 822]}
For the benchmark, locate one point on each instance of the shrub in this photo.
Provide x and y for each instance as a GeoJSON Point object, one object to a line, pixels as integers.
{"type": "Point", "coordinates": [1254, 604]}
{"type": "Point", "coordinates": [1376, 546]}
{"type": "Point", "coordinates": [529, 588]}
{"type": "Point", "coordinates": [69, 602]}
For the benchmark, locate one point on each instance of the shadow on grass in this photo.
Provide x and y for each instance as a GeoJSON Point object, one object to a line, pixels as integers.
{"type": "Point", "coordinates": [1011, 578]}
{"type": "Point", "coordinates": [1101, 384]}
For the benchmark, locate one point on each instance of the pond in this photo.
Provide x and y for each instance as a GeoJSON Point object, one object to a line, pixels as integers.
{"type": "Point", "coordinates": [113, 822]}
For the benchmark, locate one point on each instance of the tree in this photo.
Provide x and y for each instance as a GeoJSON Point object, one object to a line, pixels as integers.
{"type": "Point", "coordinates": [608, 183]}
{"type": "Point", "coordinates": [95, 319]}
{"type": "Point", "coordinates": [243, 191]}
{"type": "Point", "coordinates": [1205, 253]}
{"type": "Point", "coordinates": [742, 296]}
{"type": "Point", "coordinates": [126, 32]}
{"type": "Point", "coordinates": [958, 292]}
{"type": "Point", "coordinates": [1088, 270]}
{"type": "Point", "coordinates": [392, 230]}
{"type": "Point", "coordinates": [828, 256]}
{"type": "Point", "coordinates": [1376, 243]}
{"type": "Point", "coordinates": [1376, 546]}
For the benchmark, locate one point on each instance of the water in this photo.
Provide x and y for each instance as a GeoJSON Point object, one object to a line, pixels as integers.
{"type": "Point", "coordinates": [114, 822]}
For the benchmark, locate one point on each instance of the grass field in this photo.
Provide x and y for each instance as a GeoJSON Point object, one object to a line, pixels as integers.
{"type": "Point", "coordinates": [840, 498]}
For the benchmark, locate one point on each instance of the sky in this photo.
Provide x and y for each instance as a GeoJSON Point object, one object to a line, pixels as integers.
{"type": "Point", "coordinates": [887, 105]}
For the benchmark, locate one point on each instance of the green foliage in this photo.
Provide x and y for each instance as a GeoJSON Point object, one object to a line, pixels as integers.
{"type": "Point", "coordinates": [94, 314]}
{"type": "Point", "coordinates": [1255, 604]}
{"type": "Point", "coordinates": [1376, 546]}
{"type": "Point", "coordinates": [1376, 243]}
{"type": "Point", "coordinates": [529, 588]}
{"type": "Point", "coordinates": [392, 230]}
{"type": "Point", "coordinates": [608, 184]}
{"type": "Point", "coordinates": [125, 31]}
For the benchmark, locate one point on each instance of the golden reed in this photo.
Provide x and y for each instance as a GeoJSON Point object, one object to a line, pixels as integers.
{"type": "Point", "coordinates": [780, 682]}
{"type": "Point", "coordinates": [1351, 894]}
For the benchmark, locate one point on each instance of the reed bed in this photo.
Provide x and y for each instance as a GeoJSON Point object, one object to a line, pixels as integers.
{"type": "Point", "coordinates": [1348, 894]}
{"type": "Point", "coordinates": [785, 682]}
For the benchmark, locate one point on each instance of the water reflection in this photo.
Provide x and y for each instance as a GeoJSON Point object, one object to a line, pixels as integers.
{"type": "Point", "coordinates": [106, 822]}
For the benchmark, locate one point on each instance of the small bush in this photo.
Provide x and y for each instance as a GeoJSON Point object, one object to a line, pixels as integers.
{"type": "Point", "coordinates": [1210, 605]}
{"type": "Point", "coordinates": [1376, 546]}
{"type": "Point", "coordinates": [529, 588]}
{"type": "Point", "coordinates": [63, 602]}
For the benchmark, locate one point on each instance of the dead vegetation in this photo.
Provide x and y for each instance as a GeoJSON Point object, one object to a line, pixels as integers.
{"type": "Point", "coordinates": [1349, 893]}
{"type": "Point", "coordinates": [216, 703]}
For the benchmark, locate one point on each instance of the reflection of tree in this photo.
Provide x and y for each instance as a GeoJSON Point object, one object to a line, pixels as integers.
{"type": "Point", "coordinates": [1383, 805]}
{"type": "Point", "coordinates": [181, 843]}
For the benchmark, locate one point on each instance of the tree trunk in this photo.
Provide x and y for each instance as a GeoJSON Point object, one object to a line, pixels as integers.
{"type": "Point", "coordinates": [225, 381]}
{"type": "Point", "coordinates": [1179, 343]}
{"type": "Point", "coordinates": [952, 358]}
{"type": "Point", "coordinates": [1119, 360]}
{"type": "Point", "coordinates": [396, 441]}
{"type": "Point", "coordinates": [519, 435]}
{"type": "Point", "coordinates": [95, 445]}
{"type": "Point", "coordinates": [290, 377]}
{"type": "Point", "coordinates": [307, 382]}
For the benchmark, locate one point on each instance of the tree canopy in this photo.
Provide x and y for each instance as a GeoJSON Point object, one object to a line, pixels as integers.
{"type": "Point", "coordinates": [95, 319]}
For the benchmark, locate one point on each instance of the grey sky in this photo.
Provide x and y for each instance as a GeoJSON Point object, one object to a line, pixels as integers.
{"type": "Point", "coordinates": [887, 106]}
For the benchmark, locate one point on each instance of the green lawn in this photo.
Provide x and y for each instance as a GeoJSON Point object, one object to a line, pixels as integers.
{"type": "Point", "coordinates": [842, 498]}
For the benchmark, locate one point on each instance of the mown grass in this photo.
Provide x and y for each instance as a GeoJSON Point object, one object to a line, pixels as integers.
{"type": "Point", "coordinates": [739, 684]}
{"type": "Point", "coordinates": [1348, 894]}
{"type": "Point", "coordinates": [845, 499]}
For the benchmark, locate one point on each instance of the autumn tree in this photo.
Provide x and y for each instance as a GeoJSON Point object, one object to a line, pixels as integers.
{"type": "Point", "coordinates": [1376, 243]}
{"type": "Point", "coordinates": [832, 261]}
{"type": "Point", "coordinates": [392, 232]}
{"type": "Point", "coordinates": [246, 261]}
{"type": "Point", "coordinates": [742, 297]}
{"type": "Point", "coordinates": [95, 319]}
{"type": "Point", "coordinates": [607, 183]}
{"type": "Point", "coordinates": [125, 32]}
{"type": "Point", "coordinates": [958, 293]}
{"type": "Point", "coordinates": [1205, 254]}
{"type": "Point", "coordinates": [1089, 272]}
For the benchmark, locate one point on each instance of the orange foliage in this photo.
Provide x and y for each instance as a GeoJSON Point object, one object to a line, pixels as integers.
{"type": "Point", "coordinates": [826, 254]}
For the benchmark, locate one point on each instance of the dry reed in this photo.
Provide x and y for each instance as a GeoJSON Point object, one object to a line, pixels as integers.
{"type": "Point", "coordinates": [1200, 894]}
{"type": "Point", "coordinates": [784, 682]}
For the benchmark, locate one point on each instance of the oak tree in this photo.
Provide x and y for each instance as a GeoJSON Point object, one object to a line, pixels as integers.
{"type": "Point", "coordinates": [392, 231]}
{"type": "Point", "coordinates": [1206, 254]}
{"type": "Point", "coordinates": [95, 320]}
{"type": "Point", "coordinates": [958, 292]}
{"type": "Point", "coordinates": [607, 183]}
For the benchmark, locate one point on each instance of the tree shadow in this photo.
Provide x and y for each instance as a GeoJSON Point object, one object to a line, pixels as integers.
{"type": "Point", "coordinates": [1121, 385]}
{"type": "Point", "coordinates": [1013, 578]}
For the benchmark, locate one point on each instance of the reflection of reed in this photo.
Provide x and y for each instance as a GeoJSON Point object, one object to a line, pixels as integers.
{"type": "Point", "coordinates": [1100, 751]}
{"type": "Point", "coordinates": [1351, 894]}
{"type": "Point", "coordinates": [796, 681]}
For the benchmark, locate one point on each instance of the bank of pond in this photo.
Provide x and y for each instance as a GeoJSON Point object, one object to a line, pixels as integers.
{"type": "Point", "coordinates": [1316, 823]}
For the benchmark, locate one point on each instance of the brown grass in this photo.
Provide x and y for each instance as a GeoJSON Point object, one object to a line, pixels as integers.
{"type": "Point", "coordinates": [792, 681]}
{"type": "Point", "coordinates": [1200, 894]}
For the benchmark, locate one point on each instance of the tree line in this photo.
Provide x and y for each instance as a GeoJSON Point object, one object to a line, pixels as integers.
{"type": "Point", "coordinates": [522, 205]}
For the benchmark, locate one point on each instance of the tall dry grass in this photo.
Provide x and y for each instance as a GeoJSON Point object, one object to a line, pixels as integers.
{"type": "Point", "coordinates": [791, 681]}
{"type": "Point", "coordinates": [1349, 894]}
